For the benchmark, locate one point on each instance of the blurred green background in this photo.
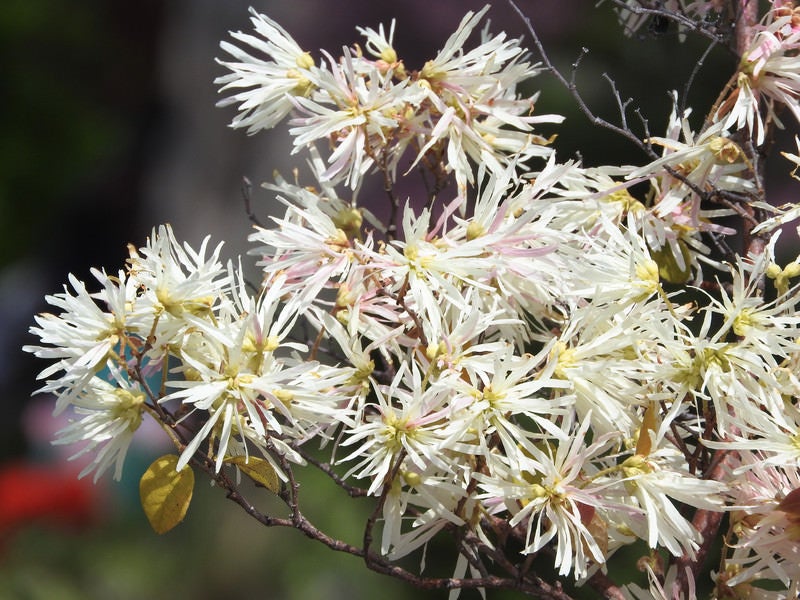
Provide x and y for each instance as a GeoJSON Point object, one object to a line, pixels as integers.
{"type": "Point", "coordinates": [108, 129]}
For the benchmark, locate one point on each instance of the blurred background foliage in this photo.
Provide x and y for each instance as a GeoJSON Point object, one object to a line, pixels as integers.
{"type": "Point", "coordinates": [109, 128]}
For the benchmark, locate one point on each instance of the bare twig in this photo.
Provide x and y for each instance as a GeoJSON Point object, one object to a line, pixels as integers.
{"type": "Point", "coordinates": [394, 201]}
{"type": "Point", "coordinates": [573, 88]}
{"type": "Point", "coordinates": [622, 106]}
{"type": "Point", "coordinates": [246, 190]}
{"type": "Point", "coordinates": [695, 71]}
{"type": "Point", "coordinates": [352, 491]}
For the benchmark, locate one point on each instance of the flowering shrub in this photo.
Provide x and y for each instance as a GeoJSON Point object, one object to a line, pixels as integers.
{"type": "Point", "coordinates": [553, 359]}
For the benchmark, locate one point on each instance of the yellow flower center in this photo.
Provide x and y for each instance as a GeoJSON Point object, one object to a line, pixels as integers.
{"type": "Point", "coordinates": [129, 407]}
{"type": "Point", "coordinates": [566, 359]}
{"type": "Point", "coordinates": [475, 230]}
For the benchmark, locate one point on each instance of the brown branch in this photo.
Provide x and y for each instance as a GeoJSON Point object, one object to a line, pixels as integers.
{"type": "Point", "coordinates": [604, 585]}
{"type": "Point", "coordinates": [707, 522]}
{"type": "Point", "coordinates": [745, 26]}
{"type": "Point", "coordinates": [352, 490]}
{"type": "Point", "coordinates": [535, 589]}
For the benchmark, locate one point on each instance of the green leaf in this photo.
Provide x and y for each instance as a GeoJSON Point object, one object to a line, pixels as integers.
{"type": "Point", "coordinates": [166, 493]}
{"type": "Point", "coordinates": [257, 469]}
{"type": "Point", "coordinates": [668, 267]}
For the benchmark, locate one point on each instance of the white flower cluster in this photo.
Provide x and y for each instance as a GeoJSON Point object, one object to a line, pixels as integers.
{"type": "Point", "coordinates": [768, 76]}
{"type": "Point", "coordinates": [511, 356]}
{"type": "Point", "coordinates": [370, 109]}
{"type": "Point", "coordinates": [177, 319]}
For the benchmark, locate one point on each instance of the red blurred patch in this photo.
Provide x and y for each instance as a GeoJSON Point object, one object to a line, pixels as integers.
{"type": "Point", "coordinates": [32, 493]}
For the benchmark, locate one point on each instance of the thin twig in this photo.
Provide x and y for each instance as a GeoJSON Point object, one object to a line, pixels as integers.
{"type": "Point", "coordinates": [573, 88]}
{"type": "Point", "coordinates": [246, 189]}
{"type": "Point", "coordinates": [352, 491]}
{"type": "Point", "coordinates": [621, 106]}
{"type": "Point", "coordinates": [695, 71]}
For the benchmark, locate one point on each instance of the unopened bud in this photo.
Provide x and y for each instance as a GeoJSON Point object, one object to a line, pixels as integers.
{"type": "Point", "coordinates": [305, 61]}
{"type": "Point", "coordinates": [724, 150]}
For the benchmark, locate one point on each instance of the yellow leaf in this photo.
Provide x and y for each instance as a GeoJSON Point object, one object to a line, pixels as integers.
{"type": "Point", "coordinates": [166, 493]}
{"type": "Point", "coordinates": [645, 442]}
{"type": "Point", "coordinates": [257, 469]}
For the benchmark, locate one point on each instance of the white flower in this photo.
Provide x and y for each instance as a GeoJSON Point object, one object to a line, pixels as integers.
{"type": "Point", "coordinates": [269, 86]}
{"type": "Point", "coordinates": [309, 247]}
{"type": "Point", "coordinates": [358, 113]}
{"type": "Point", "coordinates": [126, 329]}
{"type": "Point", "coordinates": [651, 482]}
{"type": "Point", "coordinates": [381, 47]}
{"type": "Point", "coordinates": [664, 586]}
{"type": "Point", "coordinates": [769, 74]}
{"type": "Point", "coordinates": [90, 331]}
{"type": "Point", "coordinates": [686, 171]}
{"type": "Point", "coordinates": [408, 421]}
{"type": "Point", "coordinates": [493, 61]}
{"type": "Point", "coordinates": [703, 159]}
{"type": "Point", "coordinates": [178, 284]}
{"type": "Point", "coordinates": [473, 98]}
{"type": "Point", "coordinates": [511, 405]}
{"type": "Point", "coordinates": [766, 529]}
{"type": "Point", "coordinates": [430, 495]}
{"type": "Point", "coordinates": [770, 328]}
{"type": "Point", "coordinates": [550, 493]}
{"type": "Point", "coordinates": [107, 416]}
{"type": "Point", "coordinates": [249, 392]}
{"type": "Point", "coordinates": [607, 363]}
{"type": "Point", "coordinates": [461, 342]}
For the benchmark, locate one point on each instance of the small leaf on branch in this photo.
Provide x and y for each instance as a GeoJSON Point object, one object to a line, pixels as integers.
{"type": "Point", "coordinates": [257, 469]}
{"type": "Point", "coordinates": [166, 493]}
{"type": "Point", "coordinates": [668, 267]}
{"type": "Point", "coordinates": [645, 443]}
